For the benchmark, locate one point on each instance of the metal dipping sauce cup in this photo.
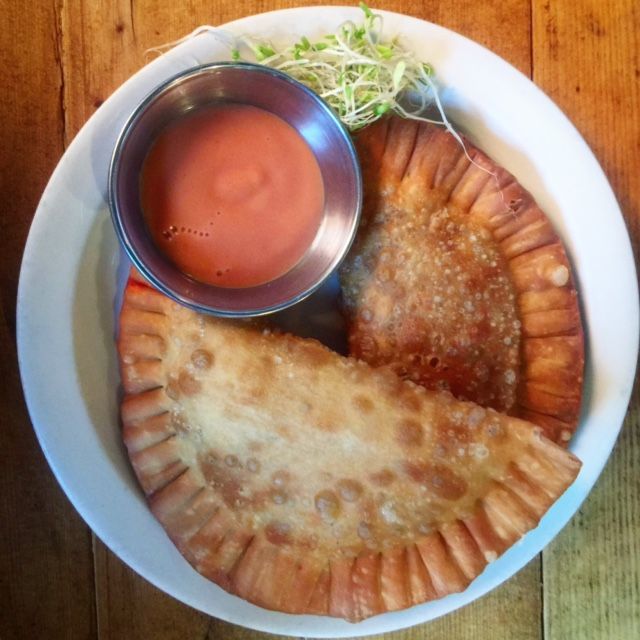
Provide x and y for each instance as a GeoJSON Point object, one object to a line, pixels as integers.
{"type": "Point", "coordinates": [308, 114]}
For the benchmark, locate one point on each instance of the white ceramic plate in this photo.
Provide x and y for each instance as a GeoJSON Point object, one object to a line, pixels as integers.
{"type": "Point", "coordinates": [72, 271]}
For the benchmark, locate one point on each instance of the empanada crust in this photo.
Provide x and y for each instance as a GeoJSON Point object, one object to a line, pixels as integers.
{"type": "Point", "coordinates": [458, 281]}
{"type": "Point", "coordinates": [306, 482]}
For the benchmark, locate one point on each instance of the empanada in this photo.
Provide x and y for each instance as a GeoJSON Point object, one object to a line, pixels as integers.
{"type": "Point", "coordinates": [307, 482]}
{"type": "Point", "coordinates": [458, 281]}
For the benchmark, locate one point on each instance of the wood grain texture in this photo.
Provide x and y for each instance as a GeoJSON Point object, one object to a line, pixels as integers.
{"type": "Point", "coordinates": [30, 135]}
{"type": "Point", "coordinates": [60, 60]}
{"type": "Point", "coordinates": [587, 58]}
{"type": "Point", "coordinates": [46, 570]}
{"type": "Point", "coordinates": [511, 611]}
{"type": "Point", "coordinates": [113, 37]}
{"type": "Point", "coordinates": [592, 569]}
{"type": "Point", "coordinates": [129, 607]}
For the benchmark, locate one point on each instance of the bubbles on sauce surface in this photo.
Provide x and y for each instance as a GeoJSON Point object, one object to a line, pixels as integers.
{"type": "Point", "coordinates": [172, 231]}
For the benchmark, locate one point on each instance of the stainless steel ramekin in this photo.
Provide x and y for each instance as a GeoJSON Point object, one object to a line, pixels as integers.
{"type": "Point", "coordinates": [267, 89]}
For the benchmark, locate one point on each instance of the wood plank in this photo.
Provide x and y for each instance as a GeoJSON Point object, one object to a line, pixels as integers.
{"type": "Point", "coordinates": [219, 630]}
{"type": "Point", "coordinates": [130, 607]}
{"type": "Point", "coordinates": [98, 53]}
{"type": "Point", "coordinates": [513, 610]}
{"type": "Point", "coordinates": [46, 566]}
{"type": "Point", "coordinates": [114, 37]}
{"type": "Point", "coordinates": [46, 572]}
{"type": "Point", "coordinates": [586, 59]}
{"type": "Point", "coordinates": [31, 132]}
{"type": "Point", "coordinates": [591, 571]}
{"type": "Point", "coordinates": [113, 40]}
{"type": "Point", "coordinates": [485, 23]}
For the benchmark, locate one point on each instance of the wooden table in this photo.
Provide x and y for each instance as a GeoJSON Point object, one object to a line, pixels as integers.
{"type": "Point", "coordinates": [60, 60]}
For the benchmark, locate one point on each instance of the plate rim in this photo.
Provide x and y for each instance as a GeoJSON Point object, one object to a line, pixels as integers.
{"type": "Point", "coordinates": [23, 346]}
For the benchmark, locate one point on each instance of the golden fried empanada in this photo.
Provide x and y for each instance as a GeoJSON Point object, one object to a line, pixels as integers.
{"type": "Point", "coordinates": [307, 482]}
{"type": "Point", "coordinates": [458, 281]}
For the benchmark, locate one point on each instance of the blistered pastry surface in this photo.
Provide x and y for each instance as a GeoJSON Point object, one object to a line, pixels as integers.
{"type": "Point", "coordinates": [454, 271]}
{"type": "Point", "coordinates": [262, 452]}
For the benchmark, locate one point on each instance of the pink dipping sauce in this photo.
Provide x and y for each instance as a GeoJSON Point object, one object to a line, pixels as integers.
{"type": "Point", "coordinates": [232, 195]}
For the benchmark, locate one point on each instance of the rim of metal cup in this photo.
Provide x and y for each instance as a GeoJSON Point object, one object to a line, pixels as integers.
{"type": "Point", "coordinates": [117, 214]}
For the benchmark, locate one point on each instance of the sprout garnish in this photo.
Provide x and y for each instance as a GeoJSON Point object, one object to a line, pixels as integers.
{"type": "Point", "coordinates": [358, 73]}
